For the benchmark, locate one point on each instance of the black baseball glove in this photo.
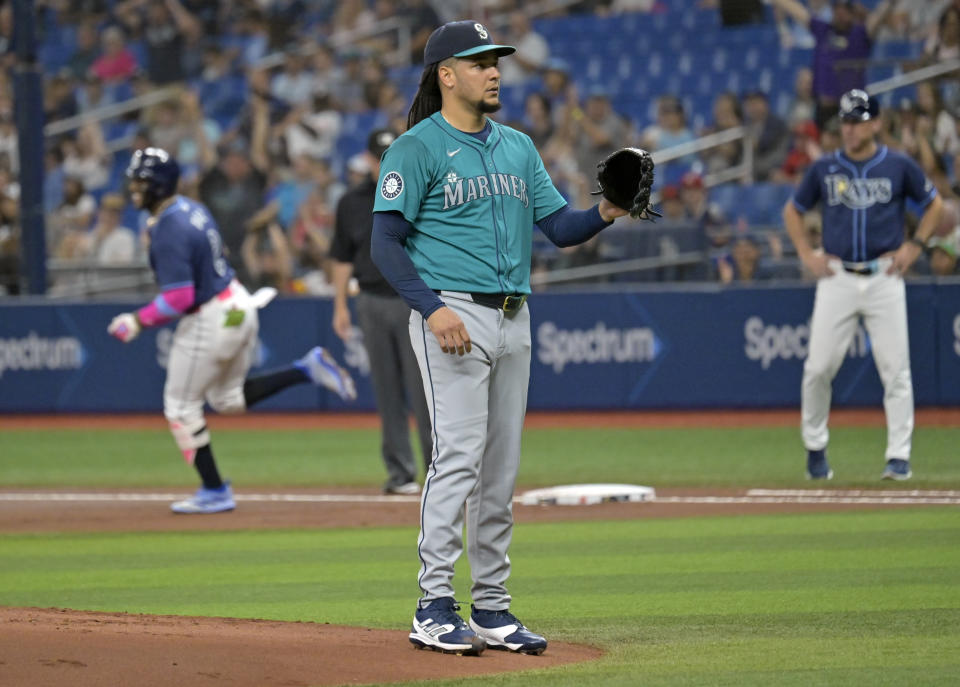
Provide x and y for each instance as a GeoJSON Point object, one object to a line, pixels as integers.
{"type": "Point", "coordinates": [625, 178]}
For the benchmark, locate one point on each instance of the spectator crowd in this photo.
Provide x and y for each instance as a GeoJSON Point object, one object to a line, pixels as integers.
{"type": "Point", "coordinates": [263, 92]}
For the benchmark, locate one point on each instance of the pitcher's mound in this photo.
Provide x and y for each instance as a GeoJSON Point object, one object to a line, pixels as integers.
{"type": "Point", "coordinates": [52, 647]}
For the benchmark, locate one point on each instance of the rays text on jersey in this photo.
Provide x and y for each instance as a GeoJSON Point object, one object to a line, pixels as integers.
{"type": "Point", "coordinates": [857, 194]}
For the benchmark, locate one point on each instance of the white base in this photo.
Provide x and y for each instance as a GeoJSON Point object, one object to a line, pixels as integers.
{"type": "Point", "coordinates": [587, 495]}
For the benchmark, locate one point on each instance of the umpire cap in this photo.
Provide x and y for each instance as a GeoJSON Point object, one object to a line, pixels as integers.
{"type": "Point", "coordinates": [858, 106]}
{"type": "Point", "coordinates": [461, 39]}
{"type": "Point", "coordinates": [379, 140]}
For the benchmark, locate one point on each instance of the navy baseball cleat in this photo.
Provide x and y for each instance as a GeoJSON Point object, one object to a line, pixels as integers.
{"type": "Point", "coordinates": [502, 630]}
{"type": "Point", "coordinates": [817, 466]}
{"type": "Point", "coordinates": [440, 627]}
{"type": "Point", "coordinates": [321, 369]}
{"type": "Point", "coordinates": [898, 469]}
{"type": "Point", "coordinates": [207, 501]}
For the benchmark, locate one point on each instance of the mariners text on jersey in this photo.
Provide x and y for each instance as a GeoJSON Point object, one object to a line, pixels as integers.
{"type": "Point", "coordinates": [481, 187]}
{"type": "Point", "coordinates": [472, 202]}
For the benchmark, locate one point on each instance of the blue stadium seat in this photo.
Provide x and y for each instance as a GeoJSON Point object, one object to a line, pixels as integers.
{"type": "Point", "coordinates": [121, 91]}
{"type": "Point", "coordinates": [139, 51]}
{"type": "Point", "coordinates": [54, 56]}
{"type": "Point", "coordinates": [898, 49]}
{"type": "Point", "coordinates": [728, 198]}
{"type": "Point", "coordinates": [720, 59]}
{"type": "Point", "coordinates": [350, 145]}
{"type": "Point", "coordinates": [622, 242]}
{"type": "Point", "coordinates": [58, 46]}
{"type": "Point", "coordinates": [681, 40]}
{"type": "Point", "coordinates": [132, 218]}
{"type": "Point", "coordinates": [512, 97]}
{"type": "Point", "coordinates": [114, 129]}
{"type": "Point", "coordinates": [359, 123]}
{"type": "Point", "coordinates": [764, 202]}
{"type": "Point", "coordinates": [703, 60]}
{"type": "Point", "coordinates": [118, 169]}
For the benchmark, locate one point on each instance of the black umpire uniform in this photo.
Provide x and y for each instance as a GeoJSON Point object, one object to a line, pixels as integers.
{"type": "Point", "coordinates": [383, 319]}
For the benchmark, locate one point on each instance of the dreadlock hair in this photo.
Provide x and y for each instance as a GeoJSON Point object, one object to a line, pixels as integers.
{"type": "Point", "coordinates": [428, 99]}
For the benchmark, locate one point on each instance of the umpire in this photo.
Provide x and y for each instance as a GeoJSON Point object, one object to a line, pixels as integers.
{"type": "Point", "coordinates": [383, 318]}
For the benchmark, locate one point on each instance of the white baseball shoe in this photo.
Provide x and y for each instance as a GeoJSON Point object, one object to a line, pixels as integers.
{"type": "Point", "coordinates": [502, 630]}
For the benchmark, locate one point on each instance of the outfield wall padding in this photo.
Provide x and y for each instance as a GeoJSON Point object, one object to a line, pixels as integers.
{"type": "Point", "coordinates": [700, 347]}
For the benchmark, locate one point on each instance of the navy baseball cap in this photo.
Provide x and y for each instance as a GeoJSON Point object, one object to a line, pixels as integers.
{"type": "Point", "coordinates": [858, 106]}
{"type": "Point", "coordinates": [461, 39]}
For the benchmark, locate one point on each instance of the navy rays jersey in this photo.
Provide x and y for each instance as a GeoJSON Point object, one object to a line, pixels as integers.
{"type": "Point", "coordinates": [863, 201]}
{"type": "Point", "coordinates": [186, 249]}
{"type": "Point", "coordinates": [473, 204]}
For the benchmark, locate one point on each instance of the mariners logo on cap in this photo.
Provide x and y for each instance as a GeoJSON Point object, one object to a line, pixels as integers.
{"type": "Point", "coordinates": [461, 39]}
{"type": "Point", "coordinates": [392, 186]}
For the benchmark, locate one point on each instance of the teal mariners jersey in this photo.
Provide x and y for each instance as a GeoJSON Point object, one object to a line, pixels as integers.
{"type": "Point", "coordinates": [472, 204]}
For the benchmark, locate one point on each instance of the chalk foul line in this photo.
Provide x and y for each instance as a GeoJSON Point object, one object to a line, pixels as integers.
{"type": "Point", "coordinates": [752, 496]}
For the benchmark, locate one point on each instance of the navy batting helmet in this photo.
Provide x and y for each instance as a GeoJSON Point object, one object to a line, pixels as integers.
{"type": "Point", "coordinates": [858, 106]}
{"type": "Point", "coordinates": [161, 172]}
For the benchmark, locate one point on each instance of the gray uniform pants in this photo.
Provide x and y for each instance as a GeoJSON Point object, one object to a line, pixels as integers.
{"type": "Point", "coordinates": [384, 321]}
{"type": "Point", "coordinates": [477, 402]}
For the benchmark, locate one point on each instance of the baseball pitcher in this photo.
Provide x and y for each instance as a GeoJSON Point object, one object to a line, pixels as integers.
{"type": "Point", "coordinates": [457, 199]}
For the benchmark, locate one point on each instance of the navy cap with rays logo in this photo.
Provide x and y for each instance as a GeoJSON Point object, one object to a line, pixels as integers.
{"type": "Point", "coordinates": [858, 106]}
{"type": "Point", "coordinates": [461, 39]}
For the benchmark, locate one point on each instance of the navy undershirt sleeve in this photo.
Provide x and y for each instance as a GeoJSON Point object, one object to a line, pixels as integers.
{"type": "Point", "coordinates": [390, 232]}
{"type": "Point", "coordinates": [568, 227]}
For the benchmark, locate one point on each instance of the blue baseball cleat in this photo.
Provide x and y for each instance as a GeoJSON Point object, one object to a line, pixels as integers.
{"type": "Point", "coordinates": [439, 627]}
{"type": "Point", "coordinates": [897, 469]}
{"type": "Point", "coordinates": [502, 630]}
{"type": "Point", "coordinates": [817, 466]}
{"type": "Point", "coordinates": [207, 501]}
{"type": "Point", "coordinates": [321, 369]}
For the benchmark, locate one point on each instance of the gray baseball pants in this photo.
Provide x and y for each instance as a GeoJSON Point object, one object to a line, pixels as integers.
{"type": "Point", "coordinates": [477, 402]}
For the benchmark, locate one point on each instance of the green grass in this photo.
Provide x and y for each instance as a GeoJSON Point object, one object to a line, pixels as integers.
{"type": "Point", "coordinates": [660, 457]}
{"type": "Point", "coordinates": [856, 598]}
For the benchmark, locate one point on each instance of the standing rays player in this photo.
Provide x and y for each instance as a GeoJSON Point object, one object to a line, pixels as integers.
{"type": "Point", "coordinates": [861, 190]}
{"type": "Point", "coordinates": [457, 199]}
{"type": "Point", "coordinates": [216, 336]}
